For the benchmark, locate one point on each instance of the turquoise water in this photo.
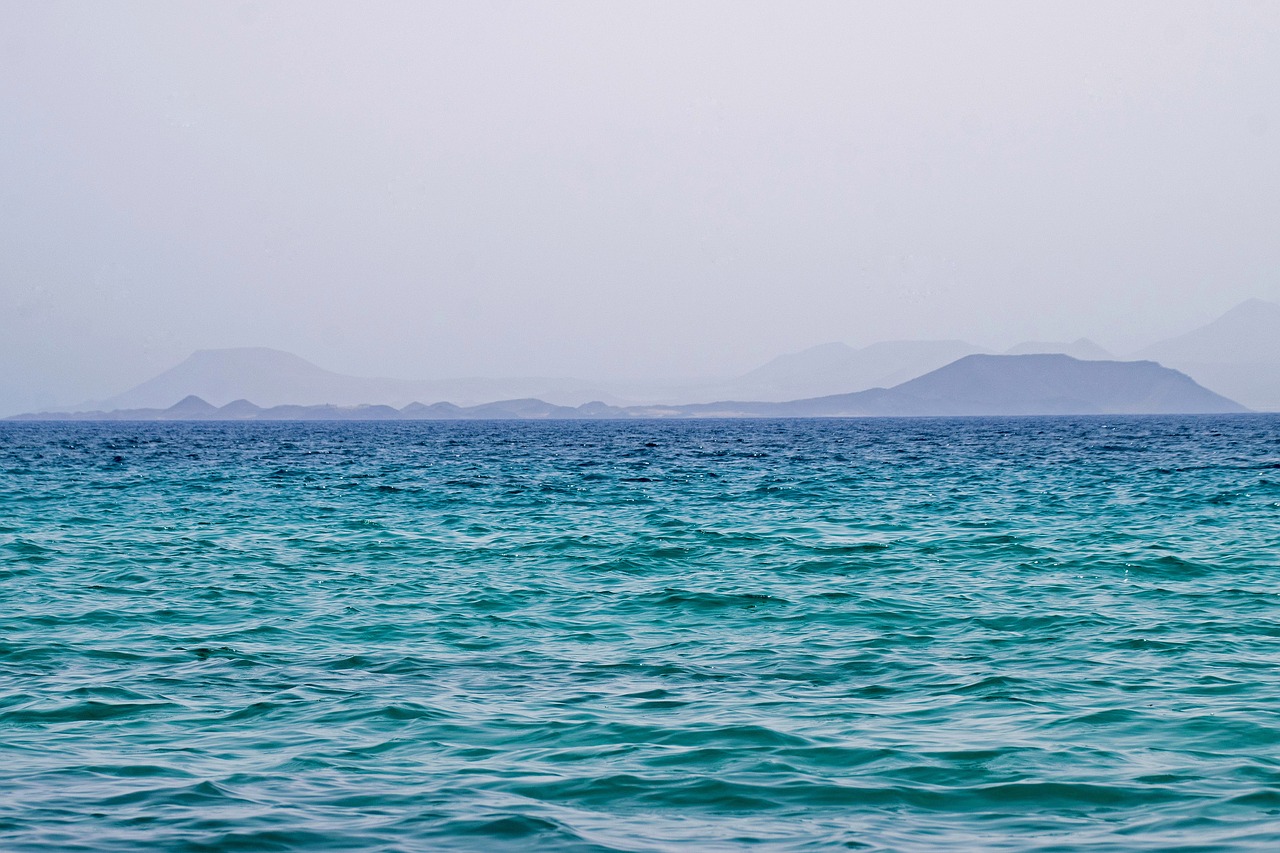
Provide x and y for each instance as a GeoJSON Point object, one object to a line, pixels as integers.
{"type": "Point", "coordinates": [1022, 634]}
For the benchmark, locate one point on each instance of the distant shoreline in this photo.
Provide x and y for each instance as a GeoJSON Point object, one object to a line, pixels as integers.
{"type": "Point", "coordinates": [974, 385]}
{"type": "Point", "coordinates": [39, 419]}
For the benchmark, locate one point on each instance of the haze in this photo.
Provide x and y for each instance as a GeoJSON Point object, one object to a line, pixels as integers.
{"type": "Point", "coordinates": [642, 190]}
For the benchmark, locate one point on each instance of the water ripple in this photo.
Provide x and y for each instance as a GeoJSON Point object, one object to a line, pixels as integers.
{"type": "Point", "coordinates": [1013, 635]}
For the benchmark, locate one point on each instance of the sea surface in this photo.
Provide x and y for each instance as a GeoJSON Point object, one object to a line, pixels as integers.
{"type": "Point", "coordinates": [1047, 634]}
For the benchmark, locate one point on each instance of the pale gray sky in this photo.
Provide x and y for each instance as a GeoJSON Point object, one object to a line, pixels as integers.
{"type": "Point", "coordinates": [610, 189]}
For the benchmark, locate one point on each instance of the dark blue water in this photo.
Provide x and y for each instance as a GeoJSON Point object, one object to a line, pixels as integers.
{"type": "Point", "coordinates": [1022, 634]}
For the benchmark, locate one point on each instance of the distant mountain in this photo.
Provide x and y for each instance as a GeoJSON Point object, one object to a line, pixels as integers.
{"type": "Point", "coordinates": [1082, 348]}
{"type": "Point", "coordinates": [193, 408]}
{"type": "Point", "coordinates": [267, 376]}
{"type": "Point", "coordinates": [1058, 384]}
{"type": "Point", "coordinates": [973, 385]}
{"type": "Point", "coordinates": [271, 377]}
{"type": "Point", "coordinates": [837, 368]}
{"type": "Point", "coordinates": [1248, 333]}
{"type": "Point", "coordinates": [1237, 354]}
{"type": "Point", "coordinates": [1007, 385]}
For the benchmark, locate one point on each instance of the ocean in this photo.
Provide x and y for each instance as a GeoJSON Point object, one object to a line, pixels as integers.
{"type": "Point", "coordinates": [1048, 634]}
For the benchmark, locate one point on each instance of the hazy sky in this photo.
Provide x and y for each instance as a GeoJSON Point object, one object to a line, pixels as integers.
{"type": "Point", "coordinates": [611, 189]}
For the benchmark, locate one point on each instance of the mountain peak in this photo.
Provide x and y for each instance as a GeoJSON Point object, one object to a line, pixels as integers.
{"type": "Point", "coordinates": [1054, 383]}
{"type": "Point", "coordinates": [191, 405]}
{"type": "Point", "coordinates": [834, 368]}
{"type": "Point", "coordinates": [248, 356]}
{"type": "Point", "coordinates": [271, 376]}
{"type": "Point", "coordinates": [1250, 312]}
{"type": "Point", "coordinates": [1249, 333]}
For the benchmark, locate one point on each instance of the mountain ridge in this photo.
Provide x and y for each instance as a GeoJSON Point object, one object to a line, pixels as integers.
{"type": "Point", "coordinates": [271, 377]}
{"type": "Point", "coordinates": [277, 377]}
{"type": "Point", "coordinates": [974, 385]}
{"type": "Point", "coordinates": [1237, 353]}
